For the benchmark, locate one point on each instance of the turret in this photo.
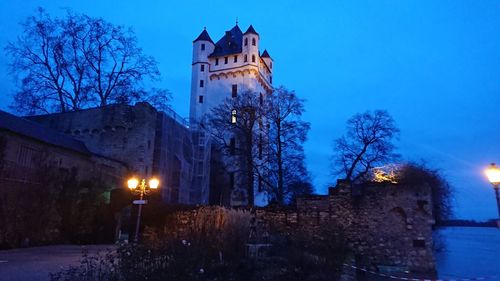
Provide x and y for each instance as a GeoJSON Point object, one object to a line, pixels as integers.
{"type": "Point", "coordinates": [251, 45]}
{"type": "Point", "coordinates": [267, 60]}
{"type": "Point", "coordinates": [202, 47]}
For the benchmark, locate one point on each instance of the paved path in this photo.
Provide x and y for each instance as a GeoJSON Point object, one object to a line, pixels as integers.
{"type": "Point", "coordinates": [35, 264]}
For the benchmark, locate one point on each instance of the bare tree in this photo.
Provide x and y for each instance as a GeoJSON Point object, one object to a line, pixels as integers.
{"type": "Point", "coordinates": [367, 143]}
{"type": "Point", "coordinates": [287, 134]}
{"type": "Point", "coordinates": [234, 129]}
{"type": "Point", "coordinates": [70, 63]}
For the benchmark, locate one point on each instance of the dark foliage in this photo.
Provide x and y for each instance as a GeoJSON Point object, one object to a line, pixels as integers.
{"type": "Point", "coordinates": [367, 143]}
{"type": "Point", "coordinates": [69, 63]}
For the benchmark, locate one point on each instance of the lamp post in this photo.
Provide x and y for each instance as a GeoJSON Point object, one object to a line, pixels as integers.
{"type": "Point", "coordinates": [142, 189]}
{"type": "Point", "coordinates": [493, 174]}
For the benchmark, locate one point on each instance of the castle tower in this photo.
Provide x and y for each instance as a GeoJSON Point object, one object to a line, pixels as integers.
{"type": "Point", "coordinates": [226, 68]}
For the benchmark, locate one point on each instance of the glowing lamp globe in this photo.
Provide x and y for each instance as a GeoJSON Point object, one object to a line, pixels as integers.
{"type": "Point", "coordinates": [132, 183]}
{"type": "Point", "coordinates": [493, 174]}
{"type": "Point", "coordinates": [153, 183]}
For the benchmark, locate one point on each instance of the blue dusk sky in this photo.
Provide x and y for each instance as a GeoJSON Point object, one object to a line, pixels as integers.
{"type": "Point", "coordinates": [434, 65]}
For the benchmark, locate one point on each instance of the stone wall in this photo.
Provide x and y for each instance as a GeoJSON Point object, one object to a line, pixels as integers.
{"type": "Point", "coordinates": [151, 143]}
{"type": "Point", "coordinates": [384, 224]}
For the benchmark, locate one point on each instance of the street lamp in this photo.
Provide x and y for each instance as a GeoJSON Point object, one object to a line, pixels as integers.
{"type": "Point", "coordinates": [142, 189]}
{"type": "Point", "coordinates": [493, 174]}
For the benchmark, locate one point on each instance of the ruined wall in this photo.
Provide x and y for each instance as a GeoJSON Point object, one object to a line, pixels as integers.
{"type": "Point", "coordinates": [388, 225]}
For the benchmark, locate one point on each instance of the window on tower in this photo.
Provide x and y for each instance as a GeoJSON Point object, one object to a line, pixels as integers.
{"type": "Point", "coordinates": [246, 58]}
{"type": "Point", "coordinates": [217, 61]}
{"type": "Point", "coordinates": [232, 146]}
{"type": "Point", "coordinates": [261, 99]}
{"type": "Point", "coordinates": [225, 60]}
{"type": "Point", "coordinates": [203, 47]}
{"type": "Point", "coordinates": [200, 99]}
{"type": "Point", "coordinates": [246, 41]}
{"type": "Point", "coordinates": [202, 68]}
{"type": "Point", "coordinates": [202, 83]}
{"type": "Point", "coordinates": [231, 180]}
{"type": "Point", "coordinates": [234, 90]}
{"type": "Point", "coordinates": [253, 58]}
{"type": "Point", "coordinates": [235, 58]}
{"type": "Point", "coordinates": [253, 41]}
{"type": "Point", "coordinates": [233, 116]}
{"type": "Point", "coordinates": [270, 79]}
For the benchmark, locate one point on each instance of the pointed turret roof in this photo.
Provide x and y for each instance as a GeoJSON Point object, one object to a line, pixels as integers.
{"type": "Point", "coordinates": [230, 43]}
{"type": "Point", "coordinates": [265, 54]}
{"type": "Point", "coordinates": [204, 36]}
{"type": "Point", "coordinates": [251, 30]}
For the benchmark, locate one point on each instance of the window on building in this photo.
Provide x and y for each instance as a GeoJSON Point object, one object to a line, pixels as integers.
{"type": "Point", "coordinates": [200, 99]}
{"type": "Point", "coordinates": [270, 79]}
{"type": "Point", "coordinates": [235, 58]}
{"type": "Point", "coordinates": [202, 83]}
{"type": "Point", "coordinates": [261, 99]}
{"type": "Point", "coordinates": [203, 47]}
{"type": "Point", "coordinates": [149, 144]}
{"type": "Point", "coordinates": [271, 65]}
{"type": "Point", "coordinates": [202, 68]}
{"type": "Point", "coordinates": [231, 180]}
{"type": "Point", "coordinates": [253, 41]}
{"type": "Point", "coordinates": [260, 184]}
{"type": "Point", "coordinates": [217, 61]}
{"type": "Point", "coordinates": [232, 146]}
{"type": "Point", "coordinates": [246, 41]}
{"type": "Point", "coordinates": [234, 90]}
{"type": "Point", "coordinates": [233, 116]}
{"type": "Point", "coordinates": [246, 58]}
{"type": "Point", "coordinates": [253, 58]}
{"type": "Point", "coordinates": [260, 146]}
{"type": "Point", "coordinates": [225, 60]}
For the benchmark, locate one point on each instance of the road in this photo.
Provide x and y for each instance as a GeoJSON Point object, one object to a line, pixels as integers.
{"type": "Point", "coordinates": [35, 264]}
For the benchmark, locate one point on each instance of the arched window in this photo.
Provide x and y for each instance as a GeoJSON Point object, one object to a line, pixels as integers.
{"type": "Point", "coordinates": [246, 58]}
{"type": "Point", "coordinates": [253, 58]}
{"type": "Point", "coordinates": [246, 41]}
{"type": "Point", "coordinates": [233, 116]}
{"type": "Point", "coordinates": [253, 41]}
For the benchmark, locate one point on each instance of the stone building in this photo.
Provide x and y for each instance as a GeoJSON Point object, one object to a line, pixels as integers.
{"type": "Point", "coordinates": [151, 143]}
{"type": "Point", "coordinates": [26, 145]}
{"type": "Point", "coordinates": [220, 71]}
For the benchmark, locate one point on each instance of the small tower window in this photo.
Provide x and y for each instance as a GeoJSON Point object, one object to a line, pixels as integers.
{"type": "Point", "coordinates": [246, 41]}
{"type": "Point", "coordinates": [232, 146]}
{"type": "Point", "coordinates": [217, 61]}
{"type": "Point", "coordinates": [253, 58]}
{"type": "Point", "coordinates": [271, 65]}
{"type": "Point", "coordinates": [261, 99]}
{"type": "Point", "coordinates": [235, 58]}
{"type": "Point", "coordinates": [246, 58]}
{"type": "Point", "coordinates": [202, 68]}
{"type": "Point", "coordinates": [203, 47]}
{"type": "Point", "coordinates": [270, 79]}
{"type": "Point", "coordinates": [253, 41]}
{"type": "Point", "coordinates": [225, 60]}
{"type": "Point", "coordinates": [231, 180]}
{"type": "Point", "coordinates": [200, 99]}
{"type": "Point", "coordinates": [202, 83]}
{"type": "Point", "coordinates": [234, 90]}
{"type": "Point", "coordinates": [233, 116]}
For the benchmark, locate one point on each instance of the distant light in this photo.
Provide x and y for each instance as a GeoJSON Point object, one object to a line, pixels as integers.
{"type": "Point", "coordinates": [493, 174]}
{"type": "Point", "coordinates": [132, 183]}
{"type": "Point", "coordinates": [154, 183]}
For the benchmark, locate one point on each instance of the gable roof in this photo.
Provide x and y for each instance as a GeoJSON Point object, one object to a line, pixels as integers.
{"type": "Point", "coordinates": [204, 37]}
{"type": "Point", "coordinates": [229, 44]}
{"type": "Point", "coordinates": [35, 131]}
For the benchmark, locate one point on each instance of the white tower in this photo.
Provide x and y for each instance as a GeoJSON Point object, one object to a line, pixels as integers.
{"type": "Point", "coordinates": [203, 46]}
